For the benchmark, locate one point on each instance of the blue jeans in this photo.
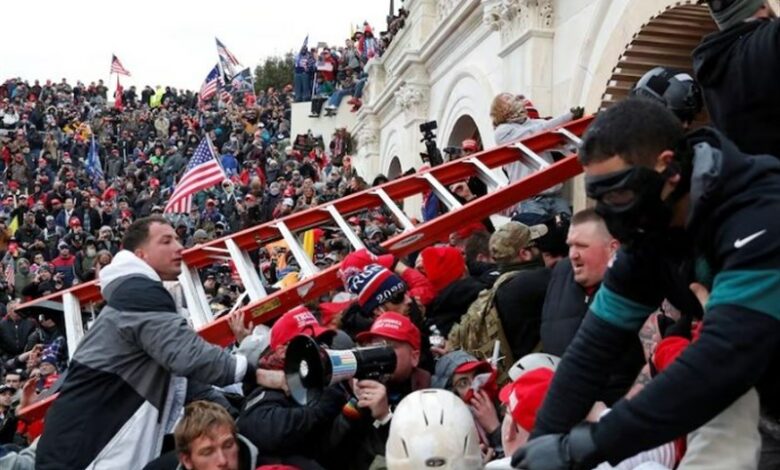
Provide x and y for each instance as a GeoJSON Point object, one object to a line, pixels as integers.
{"type": "Point", "coordinates": [338, 95]}
{"type": "Point", "coordinates": [302, 84]}
{"type": "Point", "coordinates": [359, 88]}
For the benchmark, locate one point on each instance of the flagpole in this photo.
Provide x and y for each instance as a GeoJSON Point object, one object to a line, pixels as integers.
{"type": "Point", "coordinates": [216, 155]}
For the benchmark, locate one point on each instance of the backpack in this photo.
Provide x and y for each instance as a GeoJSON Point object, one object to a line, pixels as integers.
{"type": "Point", "coordinates": [480, 327]}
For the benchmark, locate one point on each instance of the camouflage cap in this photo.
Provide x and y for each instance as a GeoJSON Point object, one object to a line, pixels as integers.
{"type": "Point", "coordinates": [509, 238]}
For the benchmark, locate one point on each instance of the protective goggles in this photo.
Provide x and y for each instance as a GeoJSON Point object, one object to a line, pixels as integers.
{"type": "Point", "coordinates": [622, 190]}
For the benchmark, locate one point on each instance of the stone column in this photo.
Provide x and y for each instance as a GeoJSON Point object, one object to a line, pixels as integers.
{"type": "Point", "coordinates": [526, 29]}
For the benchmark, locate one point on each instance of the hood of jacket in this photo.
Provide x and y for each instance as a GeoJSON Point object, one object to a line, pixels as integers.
{"type": "Point", "coordinates": [128, 283]}
{"type": "Point", "coordinates": [708, 63]}
{"type": "Point", "coordinates": [445, 368]}
{"type": "Point", "coordinates": [125, 264]}
{"type": "Point", "coordinates": [724, 178]}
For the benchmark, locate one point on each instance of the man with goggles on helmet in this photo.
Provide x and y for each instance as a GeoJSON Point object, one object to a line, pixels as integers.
{"type": "Point", "coordinates": [674, 89]}
{"type": "Point", "coordinates": [664, 196]}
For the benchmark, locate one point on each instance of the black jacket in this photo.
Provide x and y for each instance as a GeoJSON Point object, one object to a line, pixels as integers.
{"type": "Point", "coordinates": [8, 426]}
{"type": "Point", "coordinates": [519, 303]}
{"type": "Point", "coordinates": [738, 69]}
{"type": "Point", "coordinates": [565, 306]}
{"type": "Point", "coordinates": [734, 218]}
{"type": "Point", "coordinates": [452, 302]}
{"type": "Point", "coordinates": [354, 443]}
{"type": "Point", "coordinates": [283, 430]}
{"type": "Point", "coordinates": [13, 335]}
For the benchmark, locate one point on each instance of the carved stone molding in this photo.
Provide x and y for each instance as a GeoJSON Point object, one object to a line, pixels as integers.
{"type": "Point", "coordinates": [413, 100]}
{"type": "Point", "coordinates": [444, 8]}
{"type": "Point", "coordinates": [368, 136]}
{"type": "Point", "coordinates": [513, 17]}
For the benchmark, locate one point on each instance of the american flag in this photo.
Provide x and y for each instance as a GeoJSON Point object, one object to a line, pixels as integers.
{"type": "Point", "coordinates": [227, 60]}
{"type": "Point", "coordinates": [225, 54]}
{"type": "Point", "coordinates": [202, 172]}
{"type": "Point", "coordinates": [226, 97]}
{"type": "Point", "coordinates": [10, 274]}
{"type": "Point", "coordinates": [209, 87]}
{"type": "Point", "coordinates": [117, 67]}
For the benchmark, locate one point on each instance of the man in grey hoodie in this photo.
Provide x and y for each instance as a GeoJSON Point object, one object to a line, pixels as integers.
{"type": "Point", "coordinates": [127, 380]}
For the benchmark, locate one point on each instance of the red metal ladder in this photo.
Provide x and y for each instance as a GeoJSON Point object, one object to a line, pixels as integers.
{"type": "Point", "coordinates": [313, 282]}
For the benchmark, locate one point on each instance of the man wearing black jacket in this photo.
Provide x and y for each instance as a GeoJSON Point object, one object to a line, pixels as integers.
{"type": "Point", "coordinates": [519, 300]}
{"type": "Point", "coordinates": [14, 331]}
{"type": "Point", "coordinates": [573, 285]}
{"type": "Point", "coordinates": [737, 68]}
{"type": "Point", "coordinates": [660, 192]}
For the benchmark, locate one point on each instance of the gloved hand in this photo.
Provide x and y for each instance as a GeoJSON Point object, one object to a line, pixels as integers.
{"type": "Point", "coordinates": [573, 451]}
{"type": "Point", "coordinates": [577, 112]}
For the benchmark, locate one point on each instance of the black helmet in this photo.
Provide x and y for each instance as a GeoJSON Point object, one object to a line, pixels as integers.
{"type": "Point", "coordinates": [676, 90]}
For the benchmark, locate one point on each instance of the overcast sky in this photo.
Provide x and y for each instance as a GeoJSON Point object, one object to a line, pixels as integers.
{"type": "Point", "coordinates": [165, 42]}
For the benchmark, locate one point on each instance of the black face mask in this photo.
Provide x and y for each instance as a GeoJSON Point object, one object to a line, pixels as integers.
{"type": "Point", "coordinates": [630, 203]}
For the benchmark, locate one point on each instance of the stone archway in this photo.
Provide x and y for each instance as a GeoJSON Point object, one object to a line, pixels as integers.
{"type": "Point", "coordinates": [395, 170]}
{"type": "Point", "coordinates": [665, 40]}
{"type": "Point", "coordinates": [625, 42]}
{"type": "Point", "coordinates": [464, 128]}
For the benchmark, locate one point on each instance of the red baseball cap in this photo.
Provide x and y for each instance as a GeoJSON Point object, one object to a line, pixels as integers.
{"type": "Point", "coordinates": [298, 321]}
{"type": "Point", "coordinates": [470, 229]}
{"type": "Point", "coordinates": [524, 396]}
{"type": "Point", "coordinates": [469, 144]}
{"type": "Point", "coordinates": [480, 366]}
{"type": "Point", "coordinates": [392, 325]}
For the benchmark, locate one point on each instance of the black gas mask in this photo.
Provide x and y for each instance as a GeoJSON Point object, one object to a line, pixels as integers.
{"type": "Point", "coordinates": [630, 202]}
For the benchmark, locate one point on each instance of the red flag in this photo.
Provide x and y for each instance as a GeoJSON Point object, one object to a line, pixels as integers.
{"type": "Point", "coordinates": [118, 96]}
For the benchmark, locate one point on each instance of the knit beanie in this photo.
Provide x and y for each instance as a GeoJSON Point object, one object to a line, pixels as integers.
{"type": "Point", "coordinates": [374, 286]}
{"type": "Point", "coordinates": [728, 13]}
{"type": "Point", "coordinates": [443, 265]}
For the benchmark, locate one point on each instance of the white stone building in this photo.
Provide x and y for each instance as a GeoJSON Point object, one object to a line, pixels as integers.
{"type": "Point", "coordinates": [453, 56]}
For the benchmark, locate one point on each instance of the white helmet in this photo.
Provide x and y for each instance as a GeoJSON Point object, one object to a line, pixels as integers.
{"type": "Point", "coordinates": [433, 428]}
{"type": "Point", "coordinates": [533, 361]}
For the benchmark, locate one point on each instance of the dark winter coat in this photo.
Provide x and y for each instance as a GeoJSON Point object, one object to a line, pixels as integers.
{"type": "Point", "coordinates": [738, 69]}
{"type": "Point", "coordinates": [519, 303]}
{"type": "Point", "coordinates": [452, 302]}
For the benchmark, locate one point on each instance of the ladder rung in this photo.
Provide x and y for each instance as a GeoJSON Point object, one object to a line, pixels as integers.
{"type": "Point", "coordinates": [308, 269]}
{"type": "Point", "coordinates": [569, 136]}
{"type": "Point", "coordinates": [354, 240]}
{"type": "Point", "coordinates": [215, 249]}
{"type": "Point", "coordinates": [74, 328]}
{"type": "Point", "coordinates": [197, 303]}
{"type": "Point", "coordinates": [532, 156]}
{"type": "Point", "coordinates": [486, 175]}
{"type": "Point", "coordinates": [239, 302]}
{"type": "Point", "coordinates": [246, 271]}
{"type": "Point", "coordinates": [397, 212]}
{"type": "Point", "coordinates": [443, 194]}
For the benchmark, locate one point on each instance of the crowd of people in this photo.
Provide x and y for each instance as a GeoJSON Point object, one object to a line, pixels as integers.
{"type": "Point", "coordinates": [326, 75]}
{"type": "Point", "coordinates": [638, 334]}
